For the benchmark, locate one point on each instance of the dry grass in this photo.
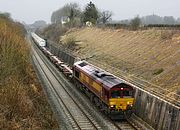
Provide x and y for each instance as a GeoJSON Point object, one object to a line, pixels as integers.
{"type": "Point", "coordinates": [22, 104]}
{"type": "Point", "coordinates": [141, 53]}
{"type": "Point", "coordinates": [69, 42]}
{"type": "Point", "coordinates": [168, 34]}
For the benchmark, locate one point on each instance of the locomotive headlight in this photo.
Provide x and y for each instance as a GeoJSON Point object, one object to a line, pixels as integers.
{"type": "Point", "coordinates": [129, 103]}
{"type": "Point", "coordinates": [112, 105]}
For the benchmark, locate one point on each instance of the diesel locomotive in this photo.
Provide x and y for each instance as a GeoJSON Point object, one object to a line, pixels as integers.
{"type": "Point", "coordinates": [109, 93]}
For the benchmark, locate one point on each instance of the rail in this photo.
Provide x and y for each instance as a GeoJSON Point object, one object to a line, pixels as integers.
{"type": "Point", "coordinates": [76, 120]}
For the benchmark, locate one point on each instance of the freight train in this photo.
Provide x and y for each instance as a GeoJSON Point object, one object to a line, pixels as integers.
{"type": "Point", "coordinates": [38, 40]}
{"type": "Point", "coordinates": [113, 96]}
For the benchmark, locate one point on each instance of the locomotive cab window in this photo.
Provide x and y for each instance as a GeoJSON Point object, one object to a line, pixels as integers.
{"type": "Point", "coordinates": [115, 94]}
{"type": "Point", "coordinates": [76, 74]}
{"type": "Point", "coordinates": [127, 93]}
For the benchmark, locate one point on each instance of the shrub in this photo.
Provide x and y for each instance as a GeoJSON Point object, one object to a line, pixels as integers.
{"type": "Point", "coordinates": [178, 91]}
{"type": "Point", "coordinates": [166, 35]}
{"type": "Point", "coordinates": [158, 71]}
{"type": "Point", "coordinates": [70, 42]}
{"type": "Point", "coordinates": [177, 96]}
{"type": "Point", "coordinates": [135, 23]}
{"type": "Point", "coordinates": [53, 32]}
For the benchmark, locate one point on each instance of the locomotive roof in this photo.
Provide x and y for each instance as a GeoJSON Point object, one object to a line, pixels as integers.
{"type": "Point", "coordinates": [107, 79]}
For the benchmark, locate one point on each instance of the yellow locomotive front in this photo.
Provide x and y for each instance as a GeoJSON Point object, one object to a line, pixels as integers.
{"type": "Point", "coordinates": [121, 100]}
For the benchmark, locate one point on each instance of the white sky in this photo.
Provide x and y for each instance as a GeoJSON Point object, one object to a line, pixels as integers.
{"type": "Point", "coordinates": [32, 10]}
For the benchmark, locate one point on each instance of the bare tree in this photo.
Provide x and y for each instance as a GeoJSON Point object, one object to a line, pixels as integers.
{"type": "Point", "coordinates": [105, 16]}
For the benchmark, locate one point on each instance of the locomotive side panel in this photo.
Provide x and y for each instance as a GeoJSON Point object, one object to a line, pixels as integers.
{"type": "Point", "coordinates": [97, 86]}
{"type": "Point", "coordinates": [90, 84]}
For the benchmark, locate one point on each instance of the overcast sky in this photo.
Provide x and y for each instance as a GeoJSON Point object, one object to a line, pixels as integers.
{"type": "Point", "coordinates": [32, 10]}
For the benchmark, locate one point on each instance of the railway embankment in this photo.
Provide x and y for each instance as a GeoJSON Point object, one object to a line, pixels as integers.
{"type": "Point", "coordinates": [23, 104]}
{"type": "Point", "coordinates": [151, 55]}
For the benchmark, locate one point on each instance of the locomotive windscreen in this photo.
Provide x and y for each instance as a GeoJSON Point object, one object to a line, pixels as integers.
{"type": "Point", "coordinates": [122, 91]}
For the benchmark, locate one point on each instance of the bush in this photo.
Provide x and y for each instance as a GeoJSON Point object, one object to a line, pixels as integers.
{"type": "Point", "coordinates": [177, 96]}
{"type": "Point", "coordinates": [135, 23]}
{"type": "Point", "coordinates": [167, 35]}
{"type": "Point", "coordinates": [70, 42]}
{"type": "Point", "coordinates": [158, 71]}
{"type": "Point", "coordinates": [53, 32]}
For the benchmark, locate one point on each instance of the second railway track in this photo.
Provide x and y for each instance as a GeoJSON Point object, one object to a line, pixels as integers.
{"type": "Point", "coordinates": [78, 117]}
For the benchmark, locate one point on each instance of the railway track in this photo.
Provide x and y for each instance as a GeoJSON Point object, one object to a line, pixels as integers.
{"type": "Point", "coordinates": [76, 115]}
{"type": "Point", "coordinates": [125, 125]}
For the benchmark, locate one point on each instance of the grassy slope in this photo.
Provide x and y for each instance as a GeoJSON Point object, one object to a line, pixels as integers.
{"type": "Point", "coordinates": [22, 102]}
{"type": "Point", "coordinates": [151, 54]}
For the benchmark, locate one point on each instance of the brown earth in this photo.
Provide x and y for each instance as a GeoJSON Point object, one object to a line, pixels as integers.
{"type": "Point", "coordinates": [151, 55]}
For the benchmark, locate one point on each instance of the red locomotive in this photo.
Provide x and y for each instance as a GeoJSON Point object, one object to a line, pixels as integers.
{"type": "Point", "coordinates": [109, 93]}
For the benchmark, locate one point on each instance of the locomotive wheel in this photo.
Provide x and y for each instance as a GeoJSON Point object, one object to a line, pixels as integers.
{"type": "Point", "coordinates": [96, 100]}
{"type": "Point", "coordinates": [92, 98]}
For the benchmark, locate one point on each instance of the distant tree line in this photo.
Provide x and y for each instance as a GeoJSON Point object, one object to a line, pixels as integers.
{"type": "Point", "coordinates": [162, 25]}
{"type": "Point", "coordinates": [71, 15]}
{"type": "Point", "coordinates": [147, 21]}
{"type": "Point", "coordinates": [74, 16]}
{"type": "Point", "coordinates": [155, 20]}
{"type": "Point", "coordinates": [131, 27]}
